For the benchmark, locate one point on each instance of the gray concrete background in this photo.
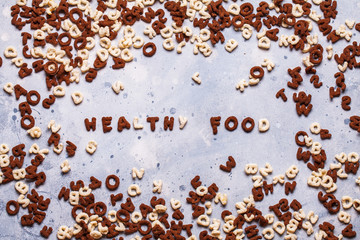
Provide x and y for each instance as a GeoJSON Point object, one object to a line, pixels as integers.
{"type": "Point", "coordinates": [162, 86]}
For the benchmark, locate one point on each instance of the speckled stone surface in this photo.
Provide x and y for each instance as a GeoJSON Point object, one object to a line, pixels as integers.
{"type": "Point", "coordinates": [162, 86]}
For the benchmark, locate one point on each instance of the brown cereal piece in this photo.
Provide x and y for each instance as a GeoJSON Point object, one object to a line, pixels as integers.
{"type": "Point", "coordinates": [64, 193]}
{"type": "Point", "coordinates": [112, 187]}
{"type": "Point", "coordinates": [215, 122]}
{"type": "Point", "coordinates": [290, 187]}
{"type": "Point", "coordinates": [95, 183]}
{"type": "Point", "coordinates": [90, 125]}
{"type": "Point", "coordinates": [15, 205]}
{"type": "Point", "coordinates": [152, 121]}
{"type": "Point", "coordinates": [70, 148]}
{"type": "Point", "coordinates": [46, 231]}
{"type": "Point", "coordinates": [106, 121]}
{"type": "Point", "coordinates": [147, 46]}
{"type": "Point", "coordinates": [345, 102]}
{"type": "Point", "coordinates": [324, 134]}
{"type": "Point", "coordinates": [355, 123]}
{"type": "Point", "coordinates": [281, 94]}
{"type": "Point", "coordinates": [348, 231]}
{"type": "Point", "coordinates": [229, 164]}
{"type": "Point", "coordinates": [245, 122]}
{"type": "Point", "coordinates": [115, 198]}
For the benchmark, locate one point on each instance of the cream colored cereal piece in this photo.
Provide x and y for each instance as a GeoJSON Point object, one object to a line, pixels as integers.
{"type": "Point", "coordinates": [203, 220]}
{"type": "Point", "coordinates": [312, 217]}
{"type": "Point", "coordinates": [356, 204]}
{"type": "Point", "coordinates": [350, 23]}
{"type": "Point", "coordinates": [308, 141]}
{"type": "Point", "coordinates": [53, 127]}
{"type": "Point", "coordinates": [150, 32]}
{"type": "Point", "coordinates": [320, 235]}
{"type": "Point", "coordinates": [267, 170]}
{"type": "Point", "coordinates": [268, 233]}
{"type": "Point", "coordinates": [65, 166]}
{"type": "Point", "coordinates": [136, 217]}
{"type": "Point", "coordinates": [279, 227]}
{"type": "Point", "coordinates": [315, 128]}
{"type": "Point", "coordinates": [330, 52]}
{"type": "Point", "coordinates": [34, 132]}
{"type": "Point", "coordinates": [91, 147]}
{"type": "Point", "coordinates": [64, 233]}
{"type": "Point", "coordinates": [58, 149]}
{"type": "Point", "coordinates": [308, 227]}
{"type": "Point", "coordinates": [59, 91]}
{"type": "Point", "coordinates": [21, 2]}
{"type": "Point", "coordinates": [264, 43]}
{"type": "Point", "coordinates": [353, 157]}
{"type": "Point", "coordinates": [257, 181]}
{"type": "Point", "coordinates": [253, 81]}
{"type": "Point", "coordinates": [4, 160]}
{"type": "Point", "coordinates": [23, 201]}
{"type": "Point", "coordinates": [279, 179]}
{"type": "Point", "coordinates": [228, 226]}
{"type": "Point", "coordinates": [18, 61]}
{"type": "Point", "coordinates": [316, 148]}
{"type": "Point", "coordinates": [204, 34]}
{"type": "Point", "coordinates": [283, 41]}
{"type": "Point", "coordinates": [10, 52]}
{"type": "Point", "coordinates": [208, 207]}
{"type": "Point", "coordinates": [247, 31]}
{"type": "Point", "coordinates": [182, 122]}
{"type": "Point", "coordinates": [314, 181]}
{"type": "Point", "coordinates": [221, 197]}
{"type": "Point", "coordinates": [292, 172]}
{"type": "Point", "coordinates": [358, 181]}
{"type": "Point", "coordinates": [136, 124]}
{"type": "Point", "coordinates": [125, 43]}
{"type": "Point", "coordinates": [341, 174]}
{"type": "Point", "coordinates": [270, 218]}
{"type": "Point", "coordinates": [127, 55]}
{"type": "Point", "coordinates": [134, 190]}
{"type": "Point", "coordinates": [231, 44]}
{"type": "Point", "coordinates": [242, 84]}
{"type": "Point", "coordinates": [4, 148]}
{"type": "Point", "coordinates": [157, 186]}
{"type": "Point", "coordinates": [251, 168]}
{"type": "Point", "coordinates": [195, 77]}
{"type": "Point", "coordinates": [215, 224]}
{"type": "Point", "coordinates": [138, 42]}
{"type": "Point", "coordinates": [341, 157]}
{"type": "Point", "coordinates": [160, 208]}
{"type": "Point", "coordinates": [343, 67]}
{"type": "Point", "coordinates": [175, 204]}
{"type": "Point", "coordinates": [297, 10]}
{"type": "Point", "coordinates": [180, 46]}
{"type": "Point", "coordinates": [327, 181]}
{"type": "Point", "coordinates": [19, 173]}
{"type": "Point", "coordinates": [166, 33]}
{"type": "Point", "coordinates": [21, 187]}
{"type": "Point", "coordinates": [136, 173]}
{"type": "Point", "coordinates": [291, 227]}
{"type": "Point", "coordinates": [8, 88]}
{"type": "Point", "coordinates": [82, 216]}
{"type": "Point", "coordinates": [74, 31]}
{"type": "Point", "coordinates": [293, 39]}
{"type": "Point", "coordinates": [77, 97]}
{"type": "Point", "coordinates": [264, 125]}
{"type": "Point", "coordinates": [201, 190]}
{"type": "Point", "coordinates": [112, 216]}
{"type": "Point", "coordinates": [335, 166]}
{"type": "Point", "coordinates": [105, 42]}
{"type": "Point", "coordinates": [344, 217]}
{"type": "Point", "coordinates": [268, 64]}
{"type": "Point", "coordinates": [168, 44]}
{"type": "Point", "coordinates": [102, 54]}
{"type": "Point", "coordinates": [153, 216]}
{"type": "Point", "coordinates": [117, 86]}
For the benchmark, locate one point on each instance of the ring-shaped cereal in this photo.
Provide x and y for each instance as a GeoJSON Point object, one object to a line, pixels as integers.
{"type": "Point", "coordinates": [4, 148]}
{"type": "Point", "coordinates": [259, 70]}
{"type": "Point", "coordinates": [246, 9]}
{"type": "Point", "coordinates": [75, 11]}
{"type": "Point", "coordinates": [16, 206]}
{"type": "Point", "coordinates": [51, 67]}
{"type": "Point", "coordinates": [82, 41]}
{"type": "Point", "coordinates": [75, 208]}
{"type": "Point", "coordinates": [100, 208]}
{"type": "Point", "coordinates": [245, 122]}
{"type": "Point", "coordinates": [112, 187]}
{"type": "Point", "coordinates": [125, 213]}
{"type": "Point", "coordinates": [149, 53]}
{"type": "Point", "coordinates": [31, 123]}
{"type": "Point", "coordinates": [30, 100]}
{"type": "Point", "coordinates": [64, 35]}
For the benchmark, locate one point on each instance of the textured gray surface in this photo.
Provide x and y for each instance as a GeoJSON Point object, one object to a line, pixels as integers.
{"type": "Point", "coordinates": [162, 86]}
